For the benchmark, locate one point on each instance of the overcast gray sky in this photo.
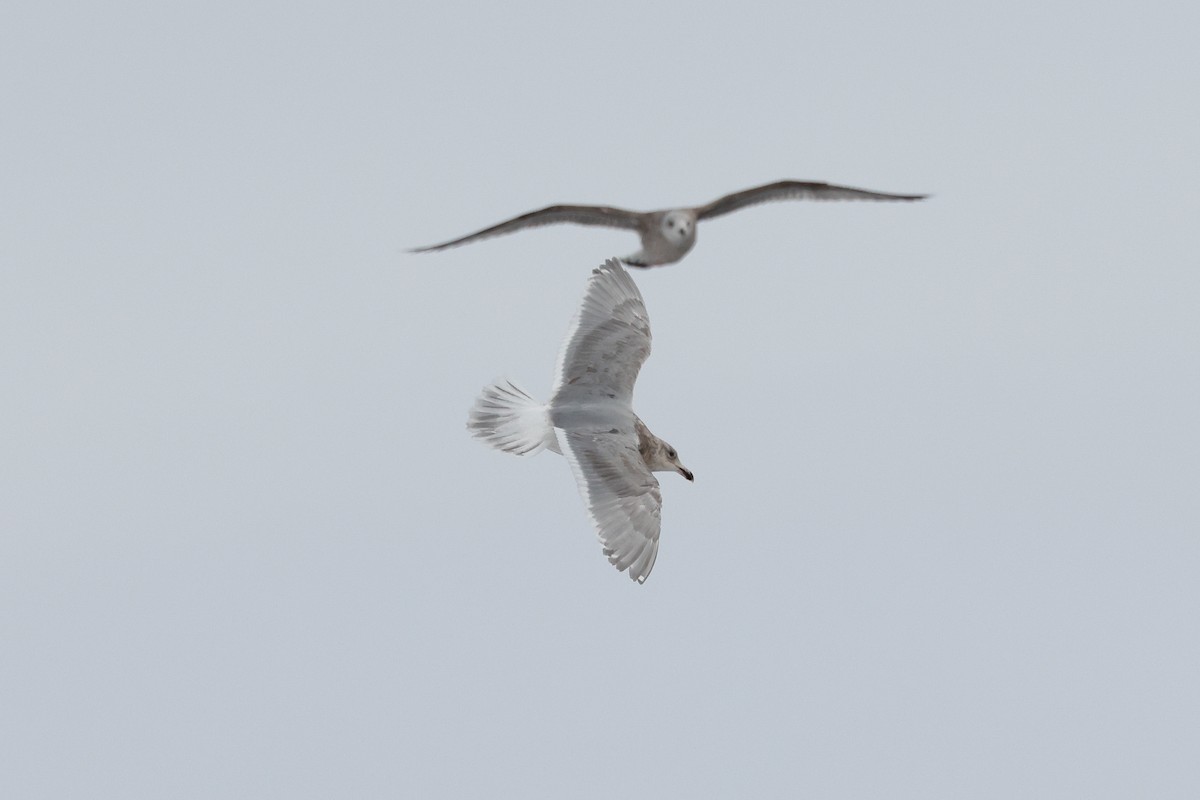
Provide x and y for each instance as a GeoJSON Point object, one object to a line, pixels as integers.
{"type": "Point", "coordinates": [945, 532]}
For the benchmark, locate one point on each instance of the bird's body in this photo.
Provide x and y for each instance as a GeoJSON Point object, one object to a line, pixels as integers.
{"type": "Point", "coordinates": [590, 420]}
{"type": "Point", "coordinates": [669, 234]}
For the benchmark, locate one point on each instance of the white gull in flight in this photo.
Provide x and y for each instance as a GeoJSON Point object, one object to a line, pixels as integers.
{"type": "Point", "coordinates": [590, 420]}
{"type": "Point", "coordinates": [669, 234]}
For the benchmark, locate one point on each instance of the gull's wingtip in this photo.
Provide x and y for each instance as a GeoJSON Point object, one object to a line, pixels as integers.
{"type": "Point", "coordinates": [611, 266]}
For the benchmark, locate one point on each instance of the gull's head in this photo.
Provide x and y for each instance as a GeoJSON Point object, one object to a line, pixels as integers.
{"type": "Point", "coordinates": [679, 226]}
{"type": "Point", "coordinates": [666, 459]}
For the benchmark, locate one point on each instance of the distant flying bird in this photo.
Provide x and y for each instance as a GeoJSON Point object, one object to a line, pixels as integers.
{"type": "Point", "coordinates": [590, 420]}
{"type": "Point", "coordinates": [668, 235]}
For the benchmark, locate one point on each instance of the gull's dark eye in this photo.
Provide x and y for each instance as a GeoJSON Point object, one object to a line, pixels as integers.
{"type": "Point", "coordinates": [670, 223]}
{"type": "Point", "coordinates": [671, 452]}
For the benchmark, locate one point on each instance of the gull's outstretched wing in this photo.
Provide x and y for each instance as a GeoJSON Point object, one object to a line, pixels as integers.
{"type": "Point", "coordinates": [792, 190]}
{"type": "Point", "coordinates": [607, 343]}
{"type": "Point", "coordinates": [580, 215]}
{"type": "Point", "coordinates": [621, 494]}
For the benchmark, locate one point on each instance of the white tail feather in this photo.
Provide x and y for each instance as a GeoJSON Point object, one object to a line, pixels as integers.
{"type": "Point", "coordinates": [508, 419]}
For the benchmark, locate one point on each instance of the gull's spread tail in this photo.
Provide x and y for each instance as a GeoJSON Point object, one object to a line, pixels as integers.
{"type": "Point", "coordinates": [508, 419]}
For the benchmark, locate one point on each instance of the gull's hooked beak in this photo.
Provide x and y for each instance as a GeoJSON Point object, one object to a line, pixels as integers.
{"type": "Point", "coordinates": [685, 472]}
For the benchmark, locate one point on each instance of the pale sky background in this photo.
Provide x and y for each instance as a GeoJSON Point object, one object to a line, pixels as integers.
{"type": "Point", "coordinates": [944, 540]}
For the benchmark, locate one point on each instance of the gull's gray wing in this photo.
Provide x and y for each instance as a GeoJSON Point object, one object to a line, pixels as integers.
{"type": "Point", "coordinates": [607, 343]}
{"type": "Point", "coordinates": [792, 190]}
{"type": "Point", "coordinates": [621, 494]}
{"type": "Point", "coordinates": [550, 215]}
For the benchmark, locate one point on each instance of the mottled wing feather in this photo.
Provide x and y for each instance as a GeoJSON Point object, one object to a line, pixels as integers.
{"type": "Point", "coordinates": [792, 190]}
{"type": "Point", "coordinates": [580, 215]}
{"type": "Point", "coordinates": [607, 343]}
{"type": "Point", "coordinates": [621, 494]}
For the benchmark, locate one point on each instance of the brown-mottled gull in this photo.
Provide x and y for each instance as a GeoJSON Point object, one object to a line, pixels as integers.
{"type": "Point", "coordinates": [669, 234]}
{"type": "Point", "coordinates": [590, 420]}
